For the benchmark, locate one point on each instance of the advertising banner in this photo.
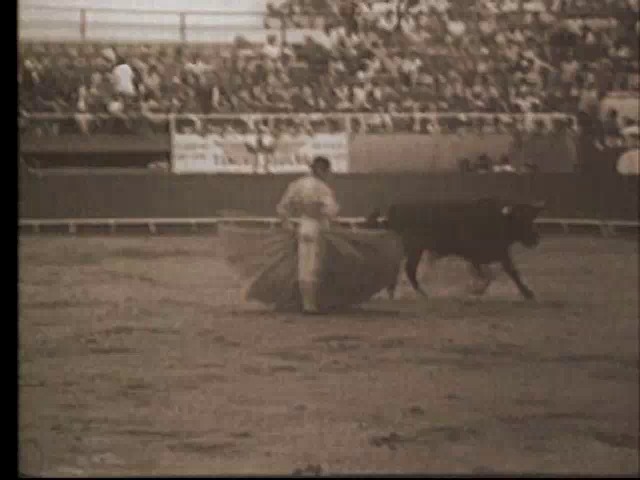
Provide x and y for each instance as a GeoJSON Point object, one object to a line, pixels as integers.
{"type": "Point", "coordinates": [192, 153]}
{"type": "Point", "coordinates": [247, 153]}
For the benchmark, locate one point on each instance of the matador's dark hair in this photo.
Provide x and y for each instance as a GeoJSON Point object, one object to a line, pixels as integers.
{"type": "Point", "coordinates": [321, 162]}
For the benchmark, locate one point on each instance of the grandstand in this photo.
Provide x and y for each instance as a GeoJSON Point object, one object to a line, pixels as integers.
{"type": "Point", "coordinates": [532, 85]}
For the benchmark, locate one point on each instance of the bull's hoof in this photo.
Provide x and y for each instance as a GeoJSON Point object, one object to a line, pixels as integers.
{"type": "Point", "coordinates": [529, 295]}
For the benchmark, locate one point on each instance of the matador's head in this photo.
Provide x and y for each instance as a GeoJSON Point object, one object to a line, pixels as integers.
{"type": "Point", "coordinates": [321, 167]}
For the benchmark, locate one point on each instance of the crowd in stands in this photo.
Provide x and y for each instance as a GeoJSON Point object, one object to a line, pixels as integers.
{"type": "Point", "coordinates": [377, 57]}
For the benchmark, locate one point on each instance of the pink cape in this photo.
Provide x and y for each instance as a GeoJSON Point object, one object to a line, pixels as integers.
{"type": "Point", "coordinates": [357, 264]}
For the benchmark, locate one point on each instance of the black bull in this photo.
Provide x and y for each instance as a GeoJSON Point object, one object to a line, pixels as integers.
{"type": "Point", "coordinates": [479, 231]}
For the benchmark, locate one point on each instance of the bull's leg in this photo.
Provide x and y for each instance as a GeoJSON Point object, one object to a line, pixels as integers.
{"type": "Point", "coordinates": [510, 269]}
{"type": "Point", "coordinates": [484, 277]}
{"type": "Point", "coordinates": [411, 269]}
{"type": "Point", "coordinates": [391, 289]}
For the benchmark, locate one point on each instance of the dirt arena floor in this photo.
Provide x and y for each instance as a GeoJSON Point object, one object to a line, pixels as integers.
{"type": "Point", "coordinates": [138, 356]}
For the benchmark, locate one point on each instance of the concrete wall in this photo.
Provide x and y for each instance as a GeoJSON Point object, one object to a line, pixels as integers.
{"type": "Point", "coordinates": [86, 195]}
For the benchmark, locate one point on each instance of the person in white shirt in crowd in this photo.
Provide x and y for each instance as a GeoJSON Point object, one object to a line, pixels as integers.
{"type": "Point", "coordinates": [407, 24]}
{"type": "Point", "coordinates": [313, 200]}
{"type": "Point", "coordinates": [373, 67]}
{"type": "Point", "coordinates": [271, 49]}
{"type": "Point", "coordinates": [410, 68]}
{"type": "Point", "coordinates": [342, 98]}
{"type": "Point", "coordinates": [490, 6]}
{"type": "Point", "coordinates": [510, 6]}
{"type": "Point", "coordinates": [364, 15]}
{"type": "Point", "coordinates": [525, 100]}
{"type": "Point", "coordinates": [82, 117]}
{"type": "Point", "coordinates": [123, 78]}
{"type": "Point", "coordinates": [333, 36]}
{"type": "Point", "coordinates": [534, 6]}
{"type": "Point", "coordinates": [456, 27]}
{"type": "Point", "coordinates": [387, 24]}
{"type": "Point", "coordinates": [360, 97]}
{"type": "Point", "coordinates": [440, 6]}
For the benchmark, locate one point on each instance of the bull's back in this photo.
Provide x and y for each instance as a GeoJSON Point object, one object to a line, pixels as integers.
{"type": "Point", "coordinates": [468, 228]}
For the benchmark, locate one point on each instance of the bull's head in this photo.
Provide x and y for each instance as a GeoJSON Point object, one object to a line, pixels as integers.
{"type": "Point", "coordinates": [521, 222]}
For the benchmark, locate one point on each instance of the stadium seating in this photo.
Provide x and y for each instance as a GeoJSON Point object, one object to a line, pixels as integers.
{"type": "Point", "coordinates": [381, 58]}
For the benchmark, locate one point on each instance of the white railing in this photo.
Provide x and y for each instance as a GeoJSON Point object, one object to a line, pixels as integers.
{"type": "Point", "coordinates": [73, 225]}
{"type": "Point", "coordinates": [344, 119]}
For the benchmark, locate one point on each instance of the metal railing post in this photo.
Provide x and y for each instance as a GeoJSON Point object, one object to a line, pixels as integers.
{"type": "Point", "coordinates": [83, 24]}
{"type": "Point", "coordinates": [183, 26]}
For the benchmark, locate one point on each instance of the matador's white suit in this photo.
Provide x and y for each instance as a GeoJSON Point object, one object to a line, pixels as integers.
{"type": "Point", "coordinates": [310, 199]}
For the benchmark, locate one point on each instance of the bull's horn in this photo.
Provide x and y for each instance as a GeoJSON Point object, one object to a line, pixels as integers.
{"type": "Point", "coordinates": [507, 210]}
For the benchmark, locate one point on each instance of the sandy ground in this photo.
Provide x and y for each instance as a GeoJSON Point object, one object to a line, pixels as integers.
{"type": "Point", "coordinates": [138, 356]}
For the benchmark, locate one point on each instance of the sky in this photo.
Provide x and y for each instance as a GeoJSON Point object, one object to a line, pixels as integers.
{"type": "Point", "coordinates": [220, 5]}
{"type": "Point", "coordinates": [39, 22]}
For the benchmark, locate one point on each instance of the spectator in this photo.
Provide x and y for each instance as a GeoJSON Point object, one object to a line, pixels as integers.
{"type": "Point", "coordinates": [270, 49]}
{"type": "Point", "coordinates": [483, 54]}
{"type": "Point", "coordinates": [387, 25]}
{"type": "Point", "coordinates": [152, 81]}
{"type": "Point", "coordinates": [360, 100]}
{"type": "Point", "coordinates": [482, 164]}
{"type": "Point", "coordinates": [504, 165]}
{"type": "Point", "coordinates": [613, 137]}
{"type": "Point", "coordinates": [123, 79]}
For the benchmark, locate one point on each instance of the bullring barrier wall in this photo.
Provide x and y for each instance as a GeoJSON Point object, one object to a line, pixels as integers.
{"type": "Point", "coordinates": [368, 153]}
{"type": "Point", "coordinates": [163, 195]}
{"type": "Point", "coordinates": [386, 169]}
{"type": "Point", "coordinates": [441, 153]}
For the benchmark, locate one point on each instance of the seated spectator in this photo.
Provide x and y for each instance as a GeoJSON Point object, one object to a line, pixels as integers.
{"type": "Point", "coordinates": [123, 79]}
{"type": "Point", "coordinates": [270, 49]}
{"type": "Point", "coordinates": [456, 27]}
{"type": "Point", "coordinates": [386, 25]}
{"type": "Point", "coordinates": [613, 137]}
{"type": "Point", "coordinates": [482, 164]}
{"type": "Point", "coordinates": [501, 50]}
{"type": "Point", "coordinates": [509, 6]}
{"type": "Point", "coordinates": [359, 93]}
{"type": "Point", "coordinates": [342, 98]}
{"type": "Point", "coordinates": [152, 81]}
{"type": "Point", "coordinates": [504, 165]}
